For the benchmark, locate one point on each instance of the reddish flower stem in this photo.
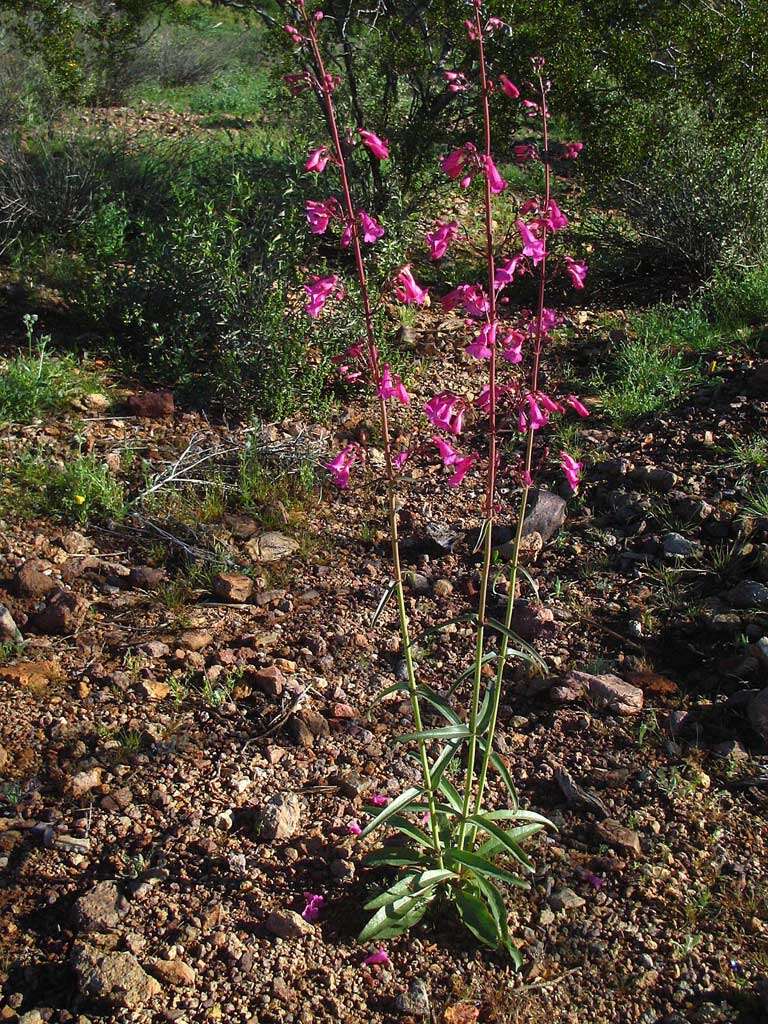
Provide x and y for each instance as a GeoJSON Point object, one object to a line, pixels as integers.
{"type": "Point", "coordinates": [515, 560]}
{"type": "Point", "coordinates": [490, 486]}
{"type": "Point", "coordinates": [375, 369]}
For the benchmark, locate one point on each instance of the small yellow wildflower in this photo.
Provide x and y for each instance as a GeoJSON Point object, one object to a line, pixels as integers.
{"type": "Point", "coordinates": [79, 499]}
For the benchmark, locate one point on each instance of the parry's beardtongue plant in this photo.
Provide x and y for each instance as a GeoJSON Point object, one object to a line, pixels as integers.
{"type": "Point", "coordinates": [450, 848]}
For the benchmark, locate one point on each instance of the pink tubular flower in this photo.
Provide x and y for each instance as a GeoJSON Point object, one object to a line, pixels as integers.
{"type": "Point", "coordinates": [446, 411]}
{"type": "Point", "coordinates": [372, 230]}
{"type": "Point", "coordinates": [456, 80]}
{"type": "Point", "coordinates": [572, 470]}
{"type": "Point", "coordinates": [454, 298]}
{"type": "Point", "coordinates": [410, 293]}
{"type": "Point", "coordinates": [505, 272]}
{"type": "Point", "coordinates": [495, 180]}
{"type": "Point", "coordinates": [455, 164]}
{"type": "Point", "coordinates": [481, 346]}
{"type": "Point", "coordinates": [317, 159]}
{"type": "Point", "coordinates": [571, 150]}
{"type": "Point", "coordinates": [379, 957]}
{"type": "Point", "coordinates": [319, 215]}
{"type": "Point", "coordinates": [372, 142]}
{"type": "Point", "coordinates": [448, 453]}
{"type": "Point", "coordinates": [461, 468]}
{"type": "Point", "coordinates": [555, 218]}
{"type": "Point", "coordinates": [440, 237]}
{"type": "Point", "coordinates": [532, 246]}
{"type": "Point", "coordinates": [391, 386]}
{"type": "Point", "coordinates": [576, 270]}
{"type": "Point", "coordinates": [353, 828]}
{"type": "Point", "coordinates": [530, 108]}
{"type": "Point", "coordinates": [319, 291]}
{"type": "Point", "coordinates": [296, 36]}
{"type": "Point", "coordinates": [549, 403]}
{"type": "Point", "coordinates": [512, 346]}
{"type": "Point", "coordinates": [577, 406]}
{"type": "Point", "coordinates": [340, 467]}
{"type": "Point", "coordinates": [534, 417]}
{"type": "Point", "coordinates": [508, 87]}
{"type": "Point", "coordinates": [475, 300]}
{"type": "Point", "coordinates": [313, 906]}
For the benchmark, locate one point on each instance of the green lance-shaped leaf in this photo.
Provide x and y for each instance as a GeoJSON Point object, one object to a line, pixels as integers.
{"type": "Point", "coordinates": [451, 794]}
{"type": "Point", "coordinates": [443, 760]}
{"type": "Point", "coordinates": [393, 857]}
{"type": "Point", "coordinates": [510, 844]}
{"type": "Point", "coordinates": [522, 650]}
{"type": "Point", "coordinates": [482, 866]}
{"type": "Point", "coordinates": [424, 693]}
{"type": "Point", "coordinates": [405, 827]}
{"type": "Point", "coordinates": [503, 771]}
{"type": "Point", "coordinates": [490, 656]}
{"type": "Point", "coordinates": [446, 732]}
{"type": "Point", "coordinates": [522, 571]}
{"type": "Point", "coordinates": [392, 807]}
{"type": "Point", "coordinates": [478, 919]}
{"type": "Point", "coordinates": [411, 883]}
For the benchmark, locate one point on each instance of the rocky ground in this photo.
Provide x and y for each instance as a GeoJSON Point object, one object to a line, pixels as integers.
{"type": "Point", "coordinates": [185, 738]}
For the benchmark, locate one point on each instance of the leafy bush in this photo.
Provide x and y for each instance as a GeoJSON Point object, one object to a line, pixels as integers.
{"type": "Point", "coordinates": [700, 193]}
{"type": "Point", "coordinates": [36, 381]}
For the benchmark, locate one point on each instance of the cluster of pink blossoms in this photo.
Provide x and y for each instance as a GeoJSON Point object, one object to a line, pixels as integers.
{"type": "Point", "coordinates": [537, 220]}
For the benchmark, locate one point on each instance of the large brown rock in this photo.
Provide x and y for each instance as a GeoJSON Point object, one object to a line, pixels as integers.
{"type": "Point", "coordinates": [232, 586]}
{"type": "Point", "coordinates": [63, 614]}
{"type": "Point", "coordinates": [31, 582]}
{"type": "Point", "coordinates": [152, 405]}
{"type": "Point", "coordinates": [115, 979]}
{"type": "Point", "coordinates": [101, 909]}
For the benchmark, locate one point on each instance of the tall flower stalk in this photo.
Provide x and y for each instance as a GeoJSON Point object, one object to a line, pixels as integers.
{"type": "Point", "coordinates": [324, 84]}
{"type": "Point", "coordinates": [451, 848]}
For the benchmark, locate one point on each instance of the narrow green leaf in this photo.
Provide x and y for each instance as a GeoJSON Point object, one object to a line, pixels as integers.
{"type": "Point", "coordinates": [393, 857]}
{"type": "Point", "coordinates": [446, 732]}
{"type": "Point", "coordinates": [523, 650]}
{"type": "Point", "coordinates": [491, 656]}
{"type": "Point", "coordinates": [397, 925]}
{"type": "Point", "coordinates": [484, 867]}
{"type": "Point", "coordinates": [400, 888]}
{"type": "Point", "coordinates": [477, 919]}
{"type": "Point", "coordinates": [438, 702]}
{"type": "Point", "coordinates": [392, 808]}
{"type": "Point", "coordinates": [522, 571]}
{"type": "Point", "coordinates": [496, 905]}
{"type": "Point", "coordinates": [503, 771]}
{"type": "Point", "coordinates": [390, 916]}
{"type": "Point", "coordinates": [410, 885]}
{"type": "Point", "coordinates": [516, 814]}
{"type": "Point", "coordinates": [506, 840]}
{"type": "Point", "coordinates": [451, 794]}
{"type": "Point", "coordinates": [383, 602]}
{"type": "Point", "coordinates": [482, 535]}
{"type": "Point", "coordinates": [404, 826]}
{"type": "Point", "coordinates": [442, 762]}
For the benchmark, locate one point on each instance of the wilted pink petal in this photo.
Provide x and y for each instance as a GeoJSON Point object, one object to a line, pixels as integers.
{"type": "Point", "coordinates": [508, 87]}
{"type": "Point", "coordinates": [409, 291]}
{"type": "Point", "coordinates": [524, 151]}
{"type": "Point", "coordinates": [530, 108]}
{"type": "Point", "coordinates": [353, 828]}
{"type": "Point", "coordinates": [379, 147]}
{"type": "Point", "coordinates": [379, 957]}
{"type": "Point", "coordinates": [313, 906]}
{"type": "Point", "coordinates": [400, 459]}
{"type": "Point", "coordinates": [379, 800]}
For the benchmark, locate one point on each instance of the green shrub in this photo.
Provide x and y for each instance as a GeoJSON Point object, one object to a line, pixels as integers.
{"type": "Point", "coordinates": [37, 381]}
